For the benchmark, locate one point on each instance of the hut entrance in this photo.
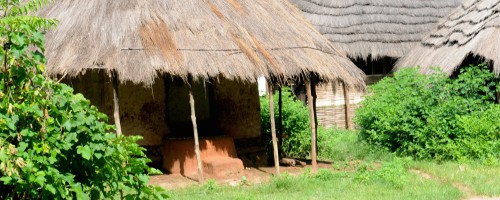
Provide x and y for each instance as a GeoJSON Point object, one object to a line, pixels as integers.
{"type": "Point", "coordinates": [472, 60]}
{"type": "Point", "coordinates": [375, 69]}
{"type": "Point", "coordinates": [179, 113]}
{"type": "Point", "coordinates": [217, 152]}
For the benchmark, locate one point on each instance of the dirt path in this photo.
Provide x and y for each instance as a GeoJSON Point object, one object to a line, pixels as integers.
{"type": "Point", "coordinates": [251, 176]}
{"type": "Point", "coordinates": [469, 193]}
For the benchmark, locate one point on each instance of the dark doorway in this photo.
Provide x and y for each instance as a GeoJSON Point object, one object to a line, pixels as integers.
{"type": "Point", "coordinates": [179, 109]}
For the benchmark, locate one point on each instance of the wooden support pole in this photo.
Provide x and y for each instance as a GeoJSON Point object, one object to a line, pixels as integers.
{"type": "Point", "coordinates": [116, 102]}
{"type": "Point", "coordinates": [347, 107]}
{"type": "Point", "coordinates": [5, 68]}
{"type": "Point", "coordinates": [384, 66]}
{"type": "Point", "coordinates": [313, 92]}
{"type": "Point", "coordinates": [280, 120]}
{"type": "Point", "coordinates": [195, 131]}
{"type": "Point", "coordinates": [273, 128]}
{"type": "Point", "coordinates": [310, 102]}
{"type": "Point", "coordinates": [498, 97]}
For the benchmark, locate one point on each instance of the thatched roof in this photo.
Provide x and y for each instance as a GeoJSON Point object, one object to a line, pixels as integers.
{"type": "Point", "coordinates": [375, 28]}
{"type": "Point", "coordinates": [473, 28]}
{"type": "Point", "coordinates": [238, 39]}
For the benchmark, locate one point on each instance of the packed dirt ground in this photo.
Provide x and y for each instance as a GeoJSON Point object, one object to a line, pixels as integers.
{"type": "Point", "coordinates": [252, 176]}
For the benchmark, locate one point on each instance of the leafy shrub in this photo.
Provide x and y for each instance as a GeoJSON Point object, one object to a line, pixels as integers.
{"type": "Point", "coordinates": [343, 145]}
{"type": "Point", "coordinates": [434, 117]}
{"type": "Point", "coordinates": [54, 144]}
{"type": "Point", "coordinates": [333, 143]}
{"type": "Point", "coordinates": [296, 124]}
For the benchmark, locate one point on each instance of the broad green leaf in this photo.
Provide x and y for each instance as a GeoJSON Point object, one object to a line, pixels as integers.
{"type": "Point", "coordinates": [84, 151]}
{"type": "Point", "coordinates": [80, 195]}
{"type": "Point", "coordinates": [40, 179]}
{"type": "Point", "coordinates": [6, 179]}
{"type": "Point", "coordinates": [50, 188]}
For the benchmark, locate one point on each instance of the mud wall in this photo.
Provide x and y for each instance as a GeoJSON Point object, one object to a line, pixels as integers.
{"type": "Point", "coordinates": [142, 110]}
{"type": "Point", "coordinates": [238, 109]}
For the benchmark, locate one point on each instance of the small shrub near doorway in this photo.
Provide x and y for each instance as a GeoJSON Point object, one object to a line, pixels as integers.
{"type": "Point", "coordinates": [332, 143]}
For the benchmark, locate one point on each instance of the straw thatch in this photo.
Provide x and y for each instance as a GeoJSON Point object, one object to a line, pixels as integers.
{"type": "Point", "coordinates": [238, 39]}
{"type": "Point", "coordinates": [375, 28]}
{"type": "Point", "coordinates": [472, 29]}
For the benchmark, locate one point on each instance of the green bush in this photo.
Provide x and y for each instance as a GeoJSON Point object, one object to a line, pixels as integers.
{"type": "Point", "coordinates": [297, 130]}
{"type": "Point", "coordinates": [296, 124]}
{"type": "Point", "coordinates": [344, 145]}
{"type": "Point", "coordinates": [54, 144]}
{"type": "Point", "coordinates": [434, 117]}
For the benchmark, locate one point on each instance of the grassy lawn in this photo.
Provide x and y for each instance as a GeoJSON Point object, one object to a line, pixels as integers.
{"type": "Point", "coordinates": [360, 172]}
{"type": "Point", "coordinates": [325, 185]}
{"type": "Point", "coordinates": [482, 180]}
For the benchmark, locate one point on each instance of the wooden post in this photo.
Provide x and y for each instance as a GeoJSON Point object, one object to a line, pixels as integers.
{"type": "Point", "coordinates": [347, 107]}
{"type": "Point", "coordinates": [313, 93]}
{"type": "Point", "coordinates": [116, 101]}
{"type": "Point", "coordinates": [498, 97]}
{"type": "Point", "coordinates": [280, 120]}
{"type": "Point", "coordinates": [5, 68]}
{"type": "Point", "coordinates": [195, 131]}
{"type": "Point", "coordinates": [384, 66]}
{"type": "Point", "coordinates": [371, 63]}
{"type": "Point", "coordinates": [273, 128]}
{"type": "Point", "coordinates": [5, 57]}
{"type": "Point", "coordinates": [313, 126]}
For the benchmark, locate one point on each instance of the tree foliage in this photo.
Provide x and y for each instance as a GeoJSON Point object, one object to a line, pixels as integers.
{"type": "Point", "coordinates": [55, 144]}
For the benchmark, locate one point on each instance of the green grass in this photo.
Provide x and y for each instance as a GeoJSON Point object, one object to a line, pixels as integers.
{"type": "Point", "coordinates": [484, 180]}
{"type": "Point", "coordinates": [327, 185]}
{"type": "Point", "coordinates": [362, 172]}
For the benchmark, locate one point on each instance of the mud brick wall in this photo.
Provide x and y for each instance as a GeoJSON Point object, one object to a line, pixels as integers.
{"type": "Point", "coordinates": [238, 109]}
{"type": "Point", "coordinates": [142, 110]}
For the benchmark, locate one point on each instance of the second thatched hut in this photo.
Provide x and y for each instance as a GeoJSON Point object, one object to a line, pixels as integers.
{"type": "Point", "coordinates": [468, 35]}
{"type": "Point", "coordinates": [374, 34]}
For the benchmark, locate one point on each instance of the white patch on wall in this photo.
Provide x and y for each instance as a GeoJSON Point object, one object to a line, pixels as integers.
{"type": "Point", "coordinates": [262, 86]}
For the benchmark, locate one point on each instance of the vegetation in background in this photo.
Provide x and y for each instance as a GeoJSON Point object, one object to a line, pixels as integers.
{"type": "Point", "coordinates": [296, 125]}
{"type": "Point", "coordinates": [434, 117]}
{"type": "Point", "coordinates": [340, 145]}
{"type": "Point", "coordinates": [297, 128]}
{"type": "Point", "coordinates": [54, 144]}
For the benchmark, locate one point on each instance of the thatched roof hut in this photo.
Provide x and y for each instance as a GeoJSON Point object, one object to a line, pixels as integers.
{"type": "Point", "coordinates": [236, 39]}
{"type": "Point", "coordinates": [471, 29]}
{"type": "Point", "coordinates": [375, 28]}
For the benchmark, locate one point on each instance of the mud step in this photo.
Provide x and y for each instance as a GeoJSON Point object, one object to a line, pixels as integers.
{"type": "Point", "coordinates": [221, 166]}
